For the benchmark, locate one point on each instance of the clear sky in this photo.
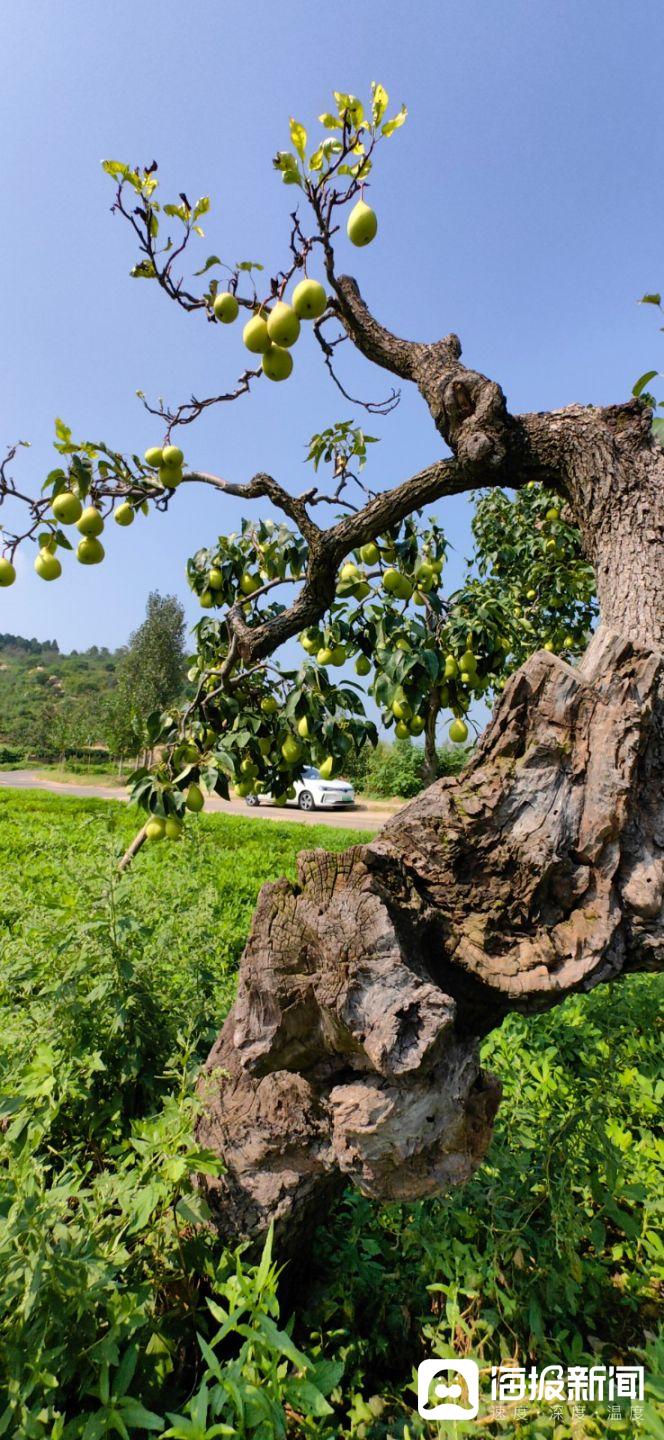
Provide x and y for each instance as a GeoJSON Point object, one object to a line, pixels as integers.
{"type": "Point", "coordinates": [521, 206]}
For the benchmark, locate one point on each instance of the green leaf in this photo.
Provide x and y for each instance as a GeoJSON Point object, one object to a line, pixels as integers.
{"type": "Point", "coordinates": [658, 430]}
{"type": "Point", "coordinates": [349, 107]}
{"type": "Point", "coordinates": [136, 1414]}
{"type": "Point", "coordinates": [119, 171]}
{"type": "Point", "coordinates": [211, 260]}
{"type": "Point", "coordinates": [298, 137]}
{"type": "Point", "coordinates": [326, 1374]}
{"type": "Point", "coordinates": [201, 207]}
{"type": "Point", "coordinates": [193, 1209]}
{"type": "Point", "coordinates": [145, 270]}
{"type": "Point", "coordinates": [280, 1341]}
{"type": "Point", "coordinates": [395, 124]}
{"type": "Point", "coordinates": [643, 380]}
{"type": "Point", "coordinates": [306, 1398]}
{"type": "Point", "coordinates": [331, 122]}
{"type": "Point", "coordinates": [379, 101]}
{"type": "Point", "coordinates": [286, 163]}
{"type": "Point", "coordinates": [653, 299]}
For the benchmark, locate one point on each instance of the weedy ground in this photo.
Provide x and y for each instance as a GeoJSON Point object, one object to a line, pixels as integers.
{"type": "Point", "coordinates": [119, 1312]}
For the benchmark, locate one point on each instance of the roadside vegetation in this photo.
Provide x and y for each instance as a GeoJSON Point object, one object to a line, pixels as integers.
{"type": "Point", "coordinates": [120, 1313]}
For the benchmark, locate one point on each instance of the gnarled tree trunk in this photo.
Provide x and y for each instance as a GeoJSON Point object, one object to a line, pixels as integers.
{"type": "Point", "coordinates": [351, 1053]}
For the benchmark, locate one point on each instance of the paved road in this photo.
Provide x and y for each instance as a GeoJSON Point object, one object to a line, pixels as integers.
{"type": "Point", "coordinates": [361, 818]}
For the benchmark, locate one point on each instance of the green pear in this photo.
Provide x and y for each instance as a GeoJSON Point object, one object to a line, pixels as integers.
{"type": "Point", "coordinates": [303, 728]}
{"type": "Point", "coordinates": [170, 476]}
{"type": "Point", "coordinates": [391, 581]}
{"type": "Point", "coordinates": [362, 665]}
{"type": "Point", "coordinates": [349, 572]}
{"type": "Point", "coordinates": [172, 457]}
{"type": "Point", "coordinates": [283, 326]}
{"type": "Point", "coordinates": [401, 710]}
{"type": "Point", "coordinates": [7, 571]}
{"type": "Point", "coordinates": [326, 768]}
{"type": "Point", "coordinates": [269, 705]}
{"type": "Point", "coordinates": [91, 521]}
{"type": "Point", "coordinates": [225, 307]}
{"type": "Point", "coordinates": [47, 565]}
{"type": "Point", "coordinates": [155, 828]}
{"type": "Point", "coordinates": [458, 731]}
{"type": "Point", "coordinates": [277, 364]}
{"type": "Point", "coordinates": [215, 578]}
{"type": "Point", "coordinates": [310, 642]}
{"type": "Point", "coordinates": [309, 300]}
{"type": "Point", "coordinates": [249, 583]}
{"type": "Point", "coordinates": [370, 553]}
{"type": "Point", "coordinates": [67, 507]}
{"type": "Point", "coordinates": [90, 551]}
{"type": "Point", "coordinates": [173, 828]}
{"type": "Point", "coordinates": [362, 224]}
{"type": "Point", "coordinates": [255, 335]}
{"type": "Point", "coordinates": [290, 750]}
{"type": "Point", "coordinates": [324, 655]}
{"type": "Point", "coordinates": [416, 725]}
{"type": "Point", "coordinates": [206, 599]}
{"type": "Point", "coordinates": [124, 515]}
{"type": "Point", "coordinates": [195, 799]}
{"type": "Point", "coordinates": [339, 655]}
{"type": "Point", "coordinates": [154, 457]}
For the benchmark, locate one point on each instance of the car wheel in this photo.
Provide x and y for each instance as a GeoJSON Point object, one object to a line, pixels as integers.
{"type": "Point", "coordinates": [305, 800]}
{"type": "Point", "coordinates": [251, 800]}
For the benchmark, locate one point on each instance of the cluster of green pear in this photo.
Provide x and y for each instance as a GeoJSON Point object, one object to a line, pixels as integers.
{"type": "Point", "coordinates": [68, 510]}
{"type": "Point", "coordinates": [283, 751]}
{"type": "Point", "coordinates": [271, 333]}
{"type": "Point", "coordinates": [171, 827]}
{"type": "Point", "coordinates": [167, 460]}
{"type": "Point", "coordinates": [247, 584]}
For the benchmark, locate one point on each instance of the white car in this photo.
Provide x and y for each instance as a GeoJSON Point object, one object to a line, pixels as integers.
{"type": "Point", "coordinates": [313, 793]}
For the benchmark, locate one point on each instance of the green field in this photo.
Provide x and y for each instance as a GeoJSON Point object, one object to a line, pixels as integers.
{"type": "Point", "coordinates": [119, 1313]}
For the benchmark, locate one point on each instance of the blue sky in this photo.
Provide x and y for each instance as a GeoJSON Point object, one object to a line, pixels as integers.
{"type": "Point", "coordinates": [521, 206]}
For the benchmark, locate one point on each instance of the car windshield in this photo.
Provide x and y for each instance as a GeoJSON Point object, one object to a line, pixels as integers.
{"type": "Point", "coordinates": [310, 773]}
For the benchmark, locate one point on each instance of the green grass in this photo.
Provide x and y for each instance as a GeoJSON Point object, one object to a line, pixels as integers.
{"type": "Point", "coordinates": [110, 995]}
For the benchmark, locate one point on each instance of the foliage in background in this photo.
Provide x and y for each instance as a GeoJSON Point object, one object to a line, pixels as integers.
{"type": "Point", "coordinates": [398, 769]}
{"type": "Point", "coordinates": [52, 705]}
{"type": "Point", "coordinates": [118, 1307]}
{"type": "Point", "coordinates": [151, 673]}
{"type": "Point", "coordinates": [55, 706]}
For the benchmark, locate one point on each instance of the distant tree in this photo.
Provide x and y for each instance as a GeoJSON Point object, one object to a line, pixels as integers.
{"type": "Point", "coordinates": [151, 673]}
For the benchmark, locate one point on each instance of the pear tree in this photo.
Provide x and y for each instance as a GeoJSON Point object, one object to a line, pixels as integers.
{"type": "Point", "coordinates": [366, 987]}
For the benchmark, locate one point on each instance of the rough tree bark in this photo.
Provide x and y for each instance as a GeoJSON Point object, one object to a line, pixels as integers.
{"type": "Point", "coordinates": [351, 1053]}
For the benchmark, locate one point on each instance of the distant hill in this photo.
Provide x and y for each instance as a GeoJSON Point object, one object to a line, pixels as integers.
{"type": "Point", "coordinates": [51, 703]}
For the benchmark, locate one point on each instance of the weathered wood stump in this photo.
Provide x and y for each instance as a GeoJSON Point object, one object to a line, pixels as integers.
{"type": "Point", "coordinates": [351, 1053]}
